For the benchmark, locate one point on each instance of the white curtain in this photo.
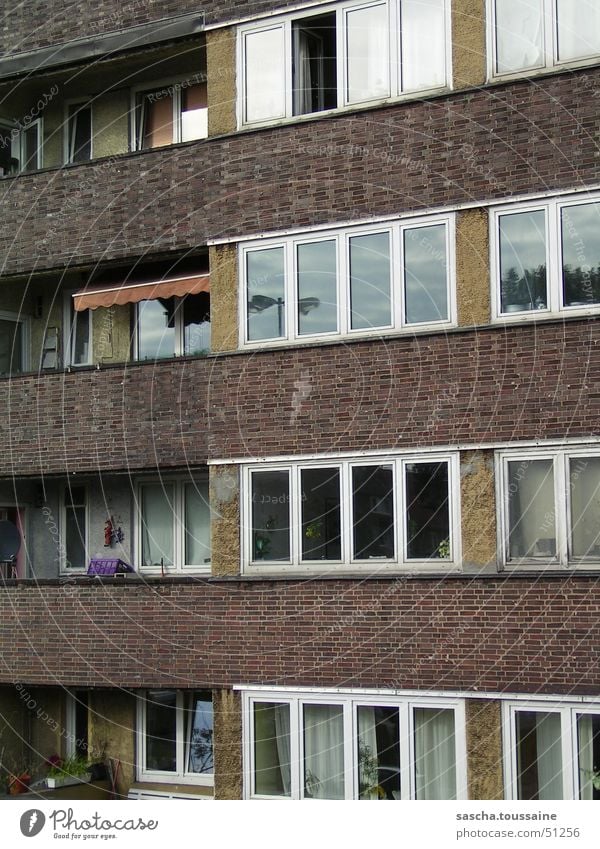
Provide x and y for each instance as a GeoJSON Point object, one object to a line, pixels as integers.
{"type": "Point", "coordinates": [549, 756]}
{"type": "Point", "coordinates": [519, 34]}
{"type": "Point", "coordinates": [423, 44]}
{"type": "Point", "coordinates": [368, 54]}
{"type": "Point", "coordinates": [435, 761]}
{"type": "Point", "coordinates": [578, 28]}
{"type": "Point", "coordinates": [585, 737]}
{"type": "Point", "coordinates": [197, 524]}
{"type": "Point", "coordinates": [157, 527]}
{"type": "Point", "coordinates": [282, 730]}
{"type": "Point", "coordinates": [324, 751]}
{"type": "Point", "coordinates": [303, 81]}
{"type": "Point", "coordinates": [368, 761]}
{"type": "Point", "coordinates": [531, 504]}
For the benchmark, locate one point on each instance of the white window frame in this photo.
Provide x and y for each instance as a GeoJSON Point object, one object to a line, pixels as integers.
{"type": "Point", "coordinates": [24, 321]}
{"type": "Point", "coordinates": [85, 103]}
{"type": "Point", "coordinates": [348, 564]}
{"type": "Point", "coordinates": [554, 253]}
{"type": "Point", "coordinates": [568, 712]}
{"type": "Point", "coordinates": [341, 10]}
{"type": "Point", "coordinates": [64, 569]}
{"type": "Point", "coordinates": [180, 776]}
{"type": "Point", "coordinates": [179, 530]}
{"type": "Point", "coordinates": [561, 459]}
{"type": "Point", "coordinates": [350, 703]}
{"type": "Point", "coordinates": [19, 145]}
{"type": "Point", "coordinates": [342, 237]}
{"type": "Point", "coordinates": [174, 86]}
{"type": "Point", "coordinates": [549, 46]}
{"type": "Point", "coordinates": [68, 341]}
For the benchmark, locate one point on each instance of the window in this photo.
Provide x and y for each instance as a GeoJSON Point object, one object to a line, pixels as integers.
{"type": "Point", "coordinates": [547, 257]}
{"type": "Point", "coordinates": [171, 113]}
{"type": "Point", "coordinates": [30, 146]}
{"type": "Point", "coordinates": [333, 746]}
{"type": "Point", "coordinates": [554, 751]}
{"type": "Point", "coordinates": [175, 736]}
{"type": "Point", "coordinates": [77, 738]}
{"type": "Point", "coordinates": [169, 327]}
{"type": "Point", "coordinates": [78, 136]}
{"type": "Point", "coordinates": [551, 508]}
{"type": "Point", "coordinates": [326, 515]}
{"type": "Point", "coordinates": [174, 525]}
{"type": "Point", "coordinates": [14, 336]}
{"type": "Point", "coordinates": [348, 54]}
{"type": "Point", "coordinates": [74, 543]}
{"type": "Point", "coordinates": [352, 282]}
{"type": "Point", "coordinates": [77, 334]}
{"type": "Point", "coordinates": [530, 35]}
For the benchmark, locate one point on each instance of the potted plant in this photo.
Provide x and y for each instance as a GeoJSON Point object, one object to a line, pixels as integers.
{"type": "Point", "coordinates": [62, 773]}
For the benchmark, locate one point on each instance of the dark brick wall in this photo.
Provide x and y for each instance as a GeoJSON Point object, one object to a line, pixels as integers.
{"type": "Point", "coordinates": [525, 634]}
{"type": "Point", "coordinates": [491, 143]}
{"type": "Point", "coordinates": [527, 382]}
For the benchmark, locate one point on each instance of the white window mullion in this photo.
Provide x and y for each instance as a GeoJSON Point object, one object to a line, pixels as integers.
{"type": "Point", "coordinates": [400, 512]}
{"type": "Point", "coordinates": [397, 276]}
{"type": "Point", "coordinates": [560, 507]}
{"type": "Point", "coordinates": [554, 250]}
{"type": "Point", "coordinates": [290, 291]}
{"type": "Point", "coordinates": [349, 751]}
{"type": "Point", "coordinates": [550, 24]}
{"type": "Point", "coordinates": [406, 753]}
{"type": "Point", "coordinates": [343, 284]}
{"type": "Point", "coordinates": [297, 746]}
{"type": "Point", "coordinates": [295, 514]}
{"type": "Point", "coordinates": [569, 756]}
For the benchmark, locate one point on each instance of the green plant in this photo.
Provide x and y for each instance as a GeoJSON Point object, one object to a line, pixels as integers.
{"type": "Point", "coordinates": [444, 549]}
{"type": "Point", "coordinates": [75, 766]}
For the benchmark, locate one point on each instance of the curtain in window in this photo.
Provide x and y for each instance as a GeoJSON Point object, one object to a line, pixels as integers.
{"type": "Point", "coordinates": [585, 736]}
{"type": "Point", "coordinates": [435, 754]}
{"type": "Point", "coordinates": [197, 524]}
{"type": "Point", "coordinates": [531, 509]}
{"type": "Point", "coordinates": [323, 752]}
{"type": "Point", "coordinates": [549, 756]}
{"type": "Point", "coordinates": [578, 29]}
{"type": "Point", "coordinates": [423, 44]}
{"type": "Point", "coordinates": [282, 730]}
{"type": "Point", "coordinates": [303, 79]}
{"type": "Point", "coordinates": [157, 527]}
{"type": "Point", "coordinates": [519, 36]}
{"type": "Point", "coordinates": [368, 760]}
{"type": "Point", "coordinates": [368, 53]}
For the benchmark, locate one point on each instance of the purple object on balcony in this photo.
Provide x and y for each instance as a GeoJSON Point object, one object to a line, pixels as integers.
{"type": "Point", "coordinates": [108, 566]}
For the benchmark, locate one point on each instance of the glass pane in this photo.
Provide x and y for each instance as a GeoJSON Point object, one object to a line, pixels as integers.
{"type": "Point", "coordinates": [265, 74]}
{"type": "Point", "coordinates": [523, 261]}
{"type": "Point", "coordinates": [532, 520]}
{"type": "Point", "coordinates": [539, 755]}
{"type": "Point", "coordinates": [197, 524]}
{"type": "Point", "coordinates": [425, 274]}
{"type": "Point", "coordinates": [194, 112]}
{"type": "Point", "coordinates": [519, 35]}
{"type": "Point", "coordinates": [75, 538]}
{"type": "Point", "coordinates": [423, 44]}
{"type": "Point", "coordinates": [370, 299]}
{"type": "Point", "coordinates": [29, 148]}
{"type": "Point", "coordinates": [323, 752]}
{"type": "Point", "coordinates": [11, 346]}
{"type": "Point", "coordinates": [321, 514]}
{"type": "Point", "coordinates": [80, 337]}
{"type": "Point", "coordinates": [156, 329]}
{"type": "Point", "coordinates": [199, 741]}
{"type": "Point", "coordinates": [157, 524]}
{"type": "Point", "coordinates": [266, 294]}
{"type": "Point", "coordinates": [80, 133]}
{"type": "Point", "coordinates": [317, 288]}
{"type": "Point", "coordinates": [156, 110]}
{"type": "Point", "coordinates": [373, 509]}
{"type": "Point", "coordinates": [378, 753]}
{"type": "Point", "coordinates": [585, 506]}
{"type": "Point", "coordinates": [161, 730]}
{"type": "Point", "coordinates": [272, 773]}
{"type": "Point", "coordinates": [314, 72]}
{"type": "Point", "coordinates": [428, 513]}
{"type": "Point", "coordinates": [435, 758]}
{"type": "Point", "coordinates": [581, 254]}
{"type": "Point", "coordinates": [196, 324]}
{"type": "Point", "coordinates": [367, 45]}
{"type": "Point", "coordinates": [6, 161]}
{"type": "Point", "coordinates": [270, 516]}
{"type": "Point", "coordinates": [578, 29]}
{"type": "Point", "coordinates": [588, 751]}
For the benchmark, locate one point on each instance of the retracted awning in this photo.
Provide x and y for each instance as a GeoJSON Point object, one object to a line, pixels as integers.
{"type": "Point", "coordinates": [93, 297]}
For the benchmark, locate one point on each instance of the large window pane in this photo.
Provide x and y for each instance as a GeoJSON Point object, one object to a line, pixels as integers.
{"type": "Point", "coordinates": [519, 35]}
{"type": "Point", "coordinates": [156, 329]}
{"type": "Point", "coordinates": [266, 294]}
{"type": "Point", "coordinates": [523, 261]}
{"type": "Point", "coordinates": [323, 752]}
{"type": "Point", "coordinates": [588, 751]}
{"type": "Point", "coordinates": [425, 274]}
{"type": "Point", "coordinates": [370, 300]}
{"type": "Point", "coordinates": [578, 29]}
{"type": "Point", "coordinates": [373, 509]}
{"type": "Point", "coordinates": [270, 516]}
{"type": "Point", "coordinates": [157, 524]}
{"type": "Point", "coordinates": [532, 519]}
{"type": "Point", "coordinates": [155, 119]}
{"type": "Point", "coordinates": [367, 45]}
{"type": "Point", "coordinates": [428, 514]}
{"type": "Point", "coordinates": [585, 506]}
{"type": "Point", "coordinates": [194, 112]}
{"type": "Point", "coordinates": [265, 74]}
{"type": "Point", "coordinates": [378, 753]}
{"type": "Point", "coordinates": [321, 514]}
{"type": "Point", "coordinates": [317, 287]}
{"type": "Point", "coordinates": [197, 524]}
{"type": "Point", "coordinates": [539, 755]}
{"type": "Point", "coordinates": [423, 44]}
{"type": "Point", "coordinates": [435, 759]}
{"type": "Point", "coordinates": [11, 346]}
{"type": "Point", "coordinates": [199, 736]}
{"type": "Point", "coordinates": [196, 324]}
{"type": "Point", "coordinates": [161, 730]}
{"type": "Point", "coordinates": [75, 528]}
{"type": "Point", "coordinates": [272, 774]}
{"type": "Point", "coordinates": [580, 230]}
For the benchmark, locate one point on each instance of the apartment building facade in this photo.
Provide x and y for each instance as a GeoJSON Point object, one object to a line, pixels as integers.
{"type": "Point", "coordinates": [299, 309]}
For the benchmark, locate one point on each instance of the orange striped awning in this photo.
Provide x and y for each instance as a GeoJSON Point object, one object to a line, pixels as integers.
{"type": "Point", "coordinates": [93, 297]}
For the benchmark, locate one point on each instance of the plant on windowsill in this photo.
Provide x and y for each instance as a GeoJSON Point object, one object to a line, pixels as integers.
{"type": "Point", "coordinates": [262, 542]}
{"type": "Point", "coordinates": [444, 549]}
{"type": "Point", "coordinates": [74, 770]}
{"type": "Point", "coordinates": [369, 787]}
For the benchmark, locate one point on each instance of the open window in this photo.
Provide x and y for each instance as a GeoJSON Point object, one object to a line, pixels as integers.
{"type": "Point", "coordinates": [77, 334]}
{"type": "Point", "coordinates": [168, 114]}
{"type": "Point", "coordinates": [74, 529]}
{"type": "Point", "coordinates": [78, 132]}
{"type": "Point", "coordinates": [30, 144]}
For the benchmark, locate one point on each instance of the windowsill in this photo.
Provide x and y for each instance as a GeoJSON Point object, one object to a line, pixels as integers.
{"type": "Point", "coordinates": [552, 566]}
{"type": "Point", "coordinates": [364, 570]}
{"type": "Point", "coordinates": [528, 316]}
{"type": "Point", "coordinates": [547, 70]}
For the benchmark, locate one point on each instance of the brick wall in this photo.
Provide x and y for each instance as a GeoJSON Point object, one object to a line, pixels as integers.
{"type": "Point", "coordinates": [528, 634]}
{"type": "Point", "coordinates": [490, 143]}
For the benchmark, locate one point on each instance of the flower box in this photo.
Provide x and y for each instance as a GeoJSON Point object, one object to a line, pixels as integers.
{"type": "Point", "coordinates": [67, 780]}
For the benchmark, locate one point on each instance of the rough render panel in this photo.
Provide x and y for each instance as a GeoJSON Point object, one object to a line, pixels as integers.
{"type": "Point", "coordinates": [224, 297]}
{"type": "Point", "coordinates": [225, 529]}
{"type": "Point", "coordinates": [220, 60]}
{"type": "Point", "coordinates": [112, 732]}
{"type": "Point", "coordinates": [478, 509]}
{"type": "Point", "coordinates": [111, 334]}
{"type": "Point", "coordinates": [468, 43]}
{"type": "Point", "coordinates": [110, 123]}
{"type": "Point", "coordinates": [484, 749]}
{"type": "Point", "coordinates": [473, 267]}
{"type": "Point", "coordinates": [228, 744]}
{"type": "Point", "coordinates": [53, 116]}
